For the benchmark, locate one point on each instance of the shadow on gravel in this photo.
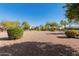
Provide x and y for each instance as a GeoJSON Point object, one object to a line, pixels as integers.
{"type": "Point", "coordinates": [4, 39]}
{"type": "Point", "coordinates": [38, 49]}
{"type": "Point", "coordinates": [55, 33]}
{"type": "Point", "coordinates": [62, 37]}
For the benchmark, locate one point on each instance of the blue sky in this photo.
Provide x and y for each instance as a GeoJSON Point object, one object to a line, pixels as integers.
{"type": "Point", "coordinates": [34, 13]}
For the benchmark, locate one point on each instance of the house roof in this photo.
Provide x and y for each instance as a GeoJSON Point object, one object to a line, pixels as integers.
{"type": "Point", "coordinates": [73, 25]}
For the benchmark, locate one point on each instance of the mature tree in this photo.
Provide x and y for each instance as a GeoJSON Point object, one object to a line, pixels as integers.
{"type": "Point", "coordinates": [25, 26]}
{"type": "Point", "coordinates": [64, 23]}
{"type": "Point", "coordinates": [72, 11]}
{"type": "Point", "coordinates": [32, 28]}
{"type": "Point", "coordinates": [51, 25]}
{"type": "Point", "coordinates": [41, 27]}
{"type": "Point", "coordinates": [47, 26]}
{"type": "Point", "coordinates": [36, 28]}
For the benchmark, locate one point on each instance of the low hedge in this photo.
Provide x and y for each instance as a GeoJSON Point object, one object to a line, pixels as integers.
{"type": "Point", "coordinates": [15, 33]}
{"type": "Point", "coordinates": [71, 33]}
{"type": "Point", "coordinates": [53, 28]}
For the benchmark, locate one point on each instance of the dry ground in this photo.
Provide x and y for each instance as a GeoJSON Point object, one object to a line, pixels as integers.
{"type": "Point", "coordinates": [39, 43]}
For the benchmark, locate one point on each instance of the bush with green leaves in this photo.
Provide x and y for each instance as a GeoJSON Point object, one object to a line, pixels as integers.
{"type": "Point", "coordinates": [71, 33]}
{"type": "Point", "coordinates": [15, 33]}
{"type": "Point", "coordinates": [25, 25]}
{"type": "Point", "coordinates": [53, 28]}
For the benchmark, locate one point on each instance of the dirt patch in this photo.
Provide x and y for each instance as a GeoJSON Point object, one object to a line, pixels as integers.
{"type": "Point", "coordinates": [38, 49]}
{"type": "Point", "coordinates": [32, 40]}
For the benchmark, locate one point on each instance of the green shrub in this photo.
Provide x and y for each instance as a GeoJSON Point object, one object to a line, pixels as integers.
{"type": "Point", "coordinates": [53, 28]}
{"type": "Point", "coordinates": [15, 33]}
{"type": "Point", "coordinates": [25, 25]}
{"type": "Point", "coordinates": [77, 35]}
{"type": "Point", "coordinates": [71, 33]}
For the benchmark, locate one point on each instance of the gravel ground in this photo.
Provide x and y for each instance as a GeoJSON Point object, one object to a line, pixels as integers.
{"type": "Point", "coordinates": [39, 43]}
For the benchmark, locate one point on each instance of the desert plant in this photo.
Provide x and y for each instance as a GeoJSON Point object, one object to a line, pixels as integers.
{"type": "Point", "coordinates": [71, 33]}
{"type": "Point", "coordinates": [15, 33]}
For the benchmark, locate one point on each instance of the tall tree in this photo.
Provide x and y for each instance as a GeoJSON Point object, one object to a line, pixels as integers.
{"type": "Point", "coordinates": [72, 11]}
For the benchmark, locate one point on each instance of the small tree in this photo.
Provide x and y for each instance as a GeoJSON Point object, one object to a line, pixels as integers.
{"type": "Point", "coordinates": [47, 25]}
{"type": "Point", "coordinates": [64, 23]}
{"type": "Point", "coordinates": [25, 26]}
{"type": "Point", "coordinates": [42, 27]}
{"type": "Point", "coordinates": [51, 26]}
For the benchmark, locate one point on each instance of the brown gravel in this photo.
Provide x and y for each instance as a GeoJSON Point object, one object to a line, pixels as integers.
{"type": "Point", "coordinates": [36, 40]}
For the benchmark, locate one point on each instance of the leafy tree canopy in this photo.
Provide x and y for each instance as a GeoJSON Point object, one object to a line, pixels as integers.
{"type": "Point", "coordinates": [72, 11]}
